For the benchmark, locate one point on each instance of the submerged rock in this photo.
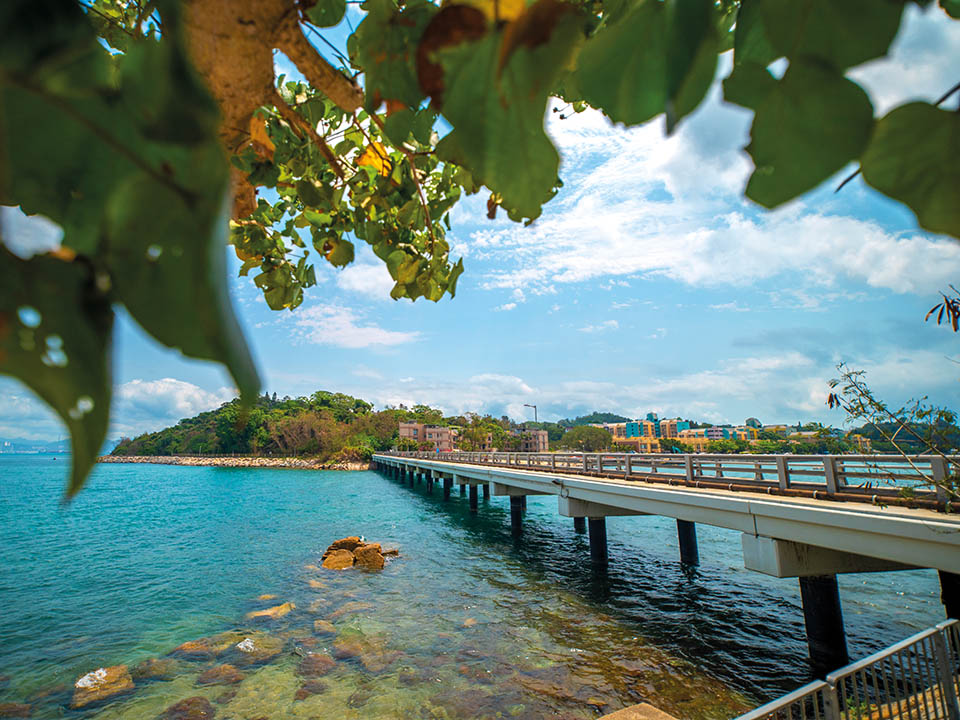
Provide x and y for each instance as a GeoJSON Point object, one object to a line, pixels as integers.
{"type": "Point", "coordinates": [101, 684]}
{"type": "Point", "coordinates": [339, 560]}
{"type": "Point", "coordinates": [316, 584]}
{"type": "Point", "coordinates": [15, 710]}
{"type": "Point", "coordinates": [395, 552]}
{"type": "Point", "coordinates": [266, 596]}
{"type": "Point", "coordinates": [322, 627]}
{"type": "Point", "coordinates": [193, 708]}
{"type": "Point", "coordinates": [277, 611]}
{"type": "Point", "coordinates": [220, 675]}
{"type": "Point", "coordinates": [349, 608]}
{"type": "Point", "coordinates": [310, 687]}
{"type": "Point", "coordinates": [226, 696]}
{"type": "Point", "coordinates": [346, 648]}
{"type": "Point", "coordinates": [256, 648]}
{"type": "Point", "coordinates": [155, 669]}
{"type": "Point", "coordinates": [315, 664]}
{"type": "Point", "coordinates": [209, 647]}
{"type": "Point", "coordinates": [317, 605]}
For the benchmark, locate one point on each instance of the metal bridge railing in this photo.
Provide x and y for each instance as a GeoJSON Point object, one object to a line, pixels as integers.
{"type": "Point", "coordinates": [916, 678]}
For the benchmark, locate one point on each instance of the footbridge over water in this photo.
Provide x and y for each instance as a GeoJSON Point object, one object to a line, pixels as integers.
{"type": "Point", "coordinates": [809, 517]}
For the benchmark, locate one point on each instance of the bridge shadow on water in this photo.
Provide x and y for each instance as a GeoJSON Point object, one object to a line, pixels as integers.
{"type": "Point", "coordinates": [746, 631]}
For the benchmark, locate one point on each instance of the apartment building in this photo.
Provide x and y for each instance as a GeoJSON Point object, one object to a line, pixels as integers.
{"type": "Point", "coordinates": [438, 436]}
{"type": "Point", "coordinates": [532, 440]}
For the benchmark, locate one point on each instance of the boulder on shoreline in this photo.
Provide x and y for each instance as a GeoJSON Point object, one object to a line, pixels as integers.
{"type": "Point", "coordinates": [350, 551]}
{"type": "Point", "coordinates": [238, 462]}
{"type": "Point", "coordinates": [101, 684]}
{"type": "Point", "coordinates": [339, 560]}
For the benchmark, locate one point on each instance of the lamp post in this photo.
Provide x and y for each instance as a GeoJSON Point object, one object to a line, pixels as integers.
{"type": "Point", "coordinates": [534, 411]}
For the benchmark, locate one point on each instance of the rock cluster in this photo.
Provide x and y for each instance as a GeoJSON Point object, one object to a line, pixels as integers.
{"type": "Point", "coordinates": [101, 684]}
{"type": "Point", "coordinates": [236, 462]}
{"type": "Point", "coordinates": [349, 551]}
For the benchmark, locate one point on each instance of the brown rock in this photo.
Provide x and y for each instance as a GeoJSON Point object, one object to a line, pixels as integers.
{"type": "Point", "coordinates": [256, 648]}
{"type": "Point", "coordinates": [311, 687]}
{"type": "Point", "coordinates": [155, 669]}
{"type": "Point", "coordinates": [469, 622]}
{"type": "Point", "coordinates": [267, 596]}
{"type": "Point", "coordinates": [101, 684]}
{"type": "Point", "coordinates": [220, 675]}
{"type": "Point", "coordinates": [226, 696]}
{"type": "Point", "coordinates": [347, 543]}
{"type": "Point", "coordinates": [378, 659]}
{"type": "Point", "coordinates": [317, 605]}
{"type": "Point", "coordinates": [272, 613]}
{"type": "Point", "coordinates": [316, 584]}
{"type": "Point", "coordinates": [369, 556]}
{"type": "Point", "coordinates": [349, 608]}
{"type": "Point", "coordinates": [315, 665]}
{"type": "Point", "coordinates": [322, 627]}
{"type": "Point", "coordinates": [311, 567]}
{"type": "Point", "coordinates": [347, 648]}
{"type": "Point", "coordinates": [338, 560]}
{"type": "Point", "coordinates": [643, 711]}
{"type": "Point", "coordinates": [209, 647]}
{"type": "Point", "coordinates": [193, 708]}
{"type": "Point", "coordinates": [15, 710]}
{"type": "Point", "coordinates": [390, 551]}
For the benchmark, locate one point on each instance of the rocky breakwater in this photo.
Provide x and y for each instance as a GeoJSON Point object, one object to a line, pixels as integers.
{"type": "Point", "coordinates": [353, 551]}
{"type": "Point", "coordinates": [237, 462]}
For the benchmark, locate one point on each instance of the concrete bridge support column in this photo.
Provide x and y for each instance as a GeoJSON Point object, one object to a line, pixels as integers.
{"type": "Point", "coordinates": [950, 593]}
{"type": "Point", "coordinates": [474, 497]}
{"type": "Point", "coordinates": [687, 535]}
{"type": "Point", "coordinates": [463, 489]}
{"type": "Point", "coordinates": [580, 524]}
{"type": "Point", "coordinates": [447, 486]}
{"type": "Point", "coordinates": [823, 618]}
{"type": "Point", "coordinates": [516, 514]}
{"type": "Point", "coordinates": [524, 499]}
{"type": "Point", "coordinates": [598, 540]}
{"type": "Point", "coordinates": [429, 485]}
{"type": "Point", "coordinates": [486, 491]}
{"type": "Point", "coordinates": [411, 478]}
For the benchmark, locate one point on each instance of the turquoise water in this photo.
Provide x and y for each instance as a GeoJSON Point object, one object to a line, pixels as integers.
{"type": "Point", "coordinates": [467, 622]}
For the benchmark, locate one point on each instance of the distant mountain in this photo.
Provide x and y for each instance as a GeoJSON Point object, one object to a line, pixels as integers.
{"type": "Point", "coordinates": [594, 417]}
{"type": "Point", "coordinates": [19, 445]}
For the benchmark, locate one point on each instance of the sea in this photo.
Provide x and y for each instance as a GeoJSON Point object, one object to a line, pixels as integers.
{"type": "Point", "coordinates": [467, 621]}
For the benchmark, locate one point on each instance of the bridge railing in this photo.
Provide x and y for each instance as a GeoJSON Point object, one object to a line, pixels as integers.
{"type": "Point", "coordinates": [919, 479]}
{"type": "Point", "coordinates": [916, 678]}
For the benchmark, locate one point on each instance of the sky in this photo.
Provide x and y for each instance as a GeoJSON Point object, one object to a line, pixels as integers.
{"type": "Point", "coordinates": [649, 284]}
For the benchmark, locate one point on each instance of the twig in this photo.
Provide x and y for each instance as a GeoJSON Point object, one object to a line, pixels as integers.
{"type": "Point", "coordinates": [943, 98]}
{"type": "Point", "coordinates": [296, 120]}
{"type": "Point", "coordinates": [336, 50]}
{"type": "Point", "coordinates": [416, 182]}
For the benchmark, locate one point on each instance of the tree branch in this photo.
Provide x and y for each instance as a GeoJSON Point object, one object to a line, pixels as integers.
{"type": "Point", "coordinates": [297, 121]}
{"type": "Point", "coordinates": [289, 39]}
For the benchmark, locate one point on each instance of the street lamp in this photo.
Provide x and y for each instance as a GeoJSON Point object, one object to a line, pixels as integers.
{"type": "Point", "coordinates": [534, 411]}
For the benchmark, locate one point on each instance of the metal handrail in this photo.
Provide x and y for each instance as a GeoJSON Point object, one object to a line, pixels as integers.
{"type": "Point", "coordinates": [880, 479]}
{"type": "Point", "coordinates": [915, 678]}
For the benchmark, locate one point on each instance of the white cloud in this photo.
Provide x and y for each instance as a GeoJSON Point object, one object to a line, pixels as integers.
{"type": "Point", "coordinates": [732, 306]}
{"type": "Point", "coordinates": [601, 327]}
{"type": "Point", "coordinates": [506, 307]}
{"type": "Point", "coordinates": [367, 278]}
{"type": "Point", "coordinates": [344, 327]}
{"type": "Point", "coordinates": [164, 401]}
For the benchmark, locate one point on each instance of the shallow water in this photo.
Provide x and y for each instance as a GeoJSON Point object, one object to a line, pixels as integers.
{"type": "Point", "coordinates": [467, 623]}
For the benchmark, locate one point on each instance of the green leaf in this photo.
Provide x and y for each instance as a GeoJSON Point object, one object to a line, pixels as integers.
{"type": "Point", "coordinates": [168, 267]}
{"type": "Point", "coordinates": [386, 48]}
{"type": "Point", "coordinates": [455, 274]}
{"type": "Point", "coordinates": [55, 338]}
{"type": "Point", "coordinates": [750, 42]}
{"type": "Point", "coordinates": [951, 8]}
{"type": "Point", "coordinates": [843, 34]}
{"type": "Point", "coordinates": [312, 195]}
{"type": "Point", "coordinates": [692, 47]}
{"type": "Point", "coordinates": [912, 157]}
{"type": "Point", "coordinates": [327, 13]}
{"type": "Point", "coordinates": [341, 253]}
{"type": "Point", "coordinates": [812, 124]}
{"type": "Point", "coordinates": [398, 126]}
{"type": "Point", "coordinates": [394, 262]}
{"type": "Point", "coordinates": [623, 68]}
{"type": "Point", "coordinates": [497, 118]}
{"type": "Point", "coordinates": [748, 85]}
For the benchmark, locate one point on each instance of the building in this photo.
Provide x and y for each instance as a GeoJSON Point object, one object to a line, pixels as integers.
{"type": "Point", "coordinates": [645, 445]}
{"type": "Point", "coordinates": [744, 433]}
{"type": "Point", "coordinates": [754, 423]}
{"type": "Point", "coordinates": [436, 436]}
{"type": "Point", "coordinates": [672, 428]}
{"type": "Point", "coordinates": [532, 440]}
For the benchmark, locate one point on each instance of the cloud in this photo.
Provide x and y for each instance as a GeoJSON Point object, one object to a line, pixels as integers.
{"type": "Point", "coordinates": [505, 307]}
{"type": "Point", "coordinates": [601, 327]}
{"type": "Point", "coordinates": [366, 278]}
{"type": "Point", "coordinates": [28, 235]}
{"type": "Point", "coordinates": [732, 306]}
{"type": "Point", "coordinates": [162, 402]}
{"type": "Point", "coordinates": [345, 327]}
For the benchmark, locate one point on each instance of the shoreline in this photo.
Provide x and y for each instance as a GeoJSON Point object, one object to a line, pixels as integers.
{"type": "Point", "coordinates": [237, 462]}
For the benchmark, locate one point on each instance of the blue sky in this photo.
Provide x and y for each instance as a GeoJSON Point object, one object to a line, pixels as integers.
{"type": "Point", "coordinates": [649, 284]}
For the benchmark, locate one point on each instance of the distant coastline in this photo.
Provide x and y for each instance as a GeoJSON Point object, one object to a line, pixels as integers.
{"type": "Point", "coordinates": [290, 463]}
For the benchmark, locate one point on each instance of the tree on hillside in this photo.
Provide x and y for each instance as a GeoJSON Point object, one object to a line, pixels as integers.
{"type": "Point", "coordinates": [586, 439]}
{"type": "Point", "coordinates": [141, 128]}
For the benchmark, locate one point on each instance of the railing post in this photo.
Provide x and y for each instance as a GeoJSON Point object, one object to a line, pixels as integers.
{"type": "Point", "coordinates": [584, 463]}
{"type": "Point", "coordinates": [830, 474]}
{"type": "Point", "coordinates": [688, 468]}
{"type": "Point", "coordinates": [627, 467]}
{"type": "Point", "coordinates": [945, 676]}
{"type": "Point", "coordinates": [553, 462]}
{"type": "Point", "coordinates": [938, 468]}
{"type": "Point", "coordinates": [783, 473]}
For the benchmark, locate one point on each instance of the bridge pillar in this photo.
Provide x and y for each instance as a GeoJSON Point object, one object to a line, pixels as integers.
{"type": "Point", "coordinates": [411, 478]}
{"type": "Point", "coordinates": [598, 540]}
{"type": "Point", "coordinates": [463, 489]}
{"type": "Point", "coordinates": [474, 497]}
{"type": "Point", "coordinates": [950, 593]}
{"type": "Point", "coordinates": [823, 618]}
{"type": "Point", "coordinates": [516, 514]}
{"type": "Point", "coordinates": [523, 499]}
{"type": "Point", "coordinates": [429, 485]}
{"type": "Point", "coordinates": [486, 491]}
{"type": "Point", "coordinates": [580, 524]}
{"type": "Point", "coordinates": [687, 535]}
{"type": "Point", "coordinates": [447, 486]}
